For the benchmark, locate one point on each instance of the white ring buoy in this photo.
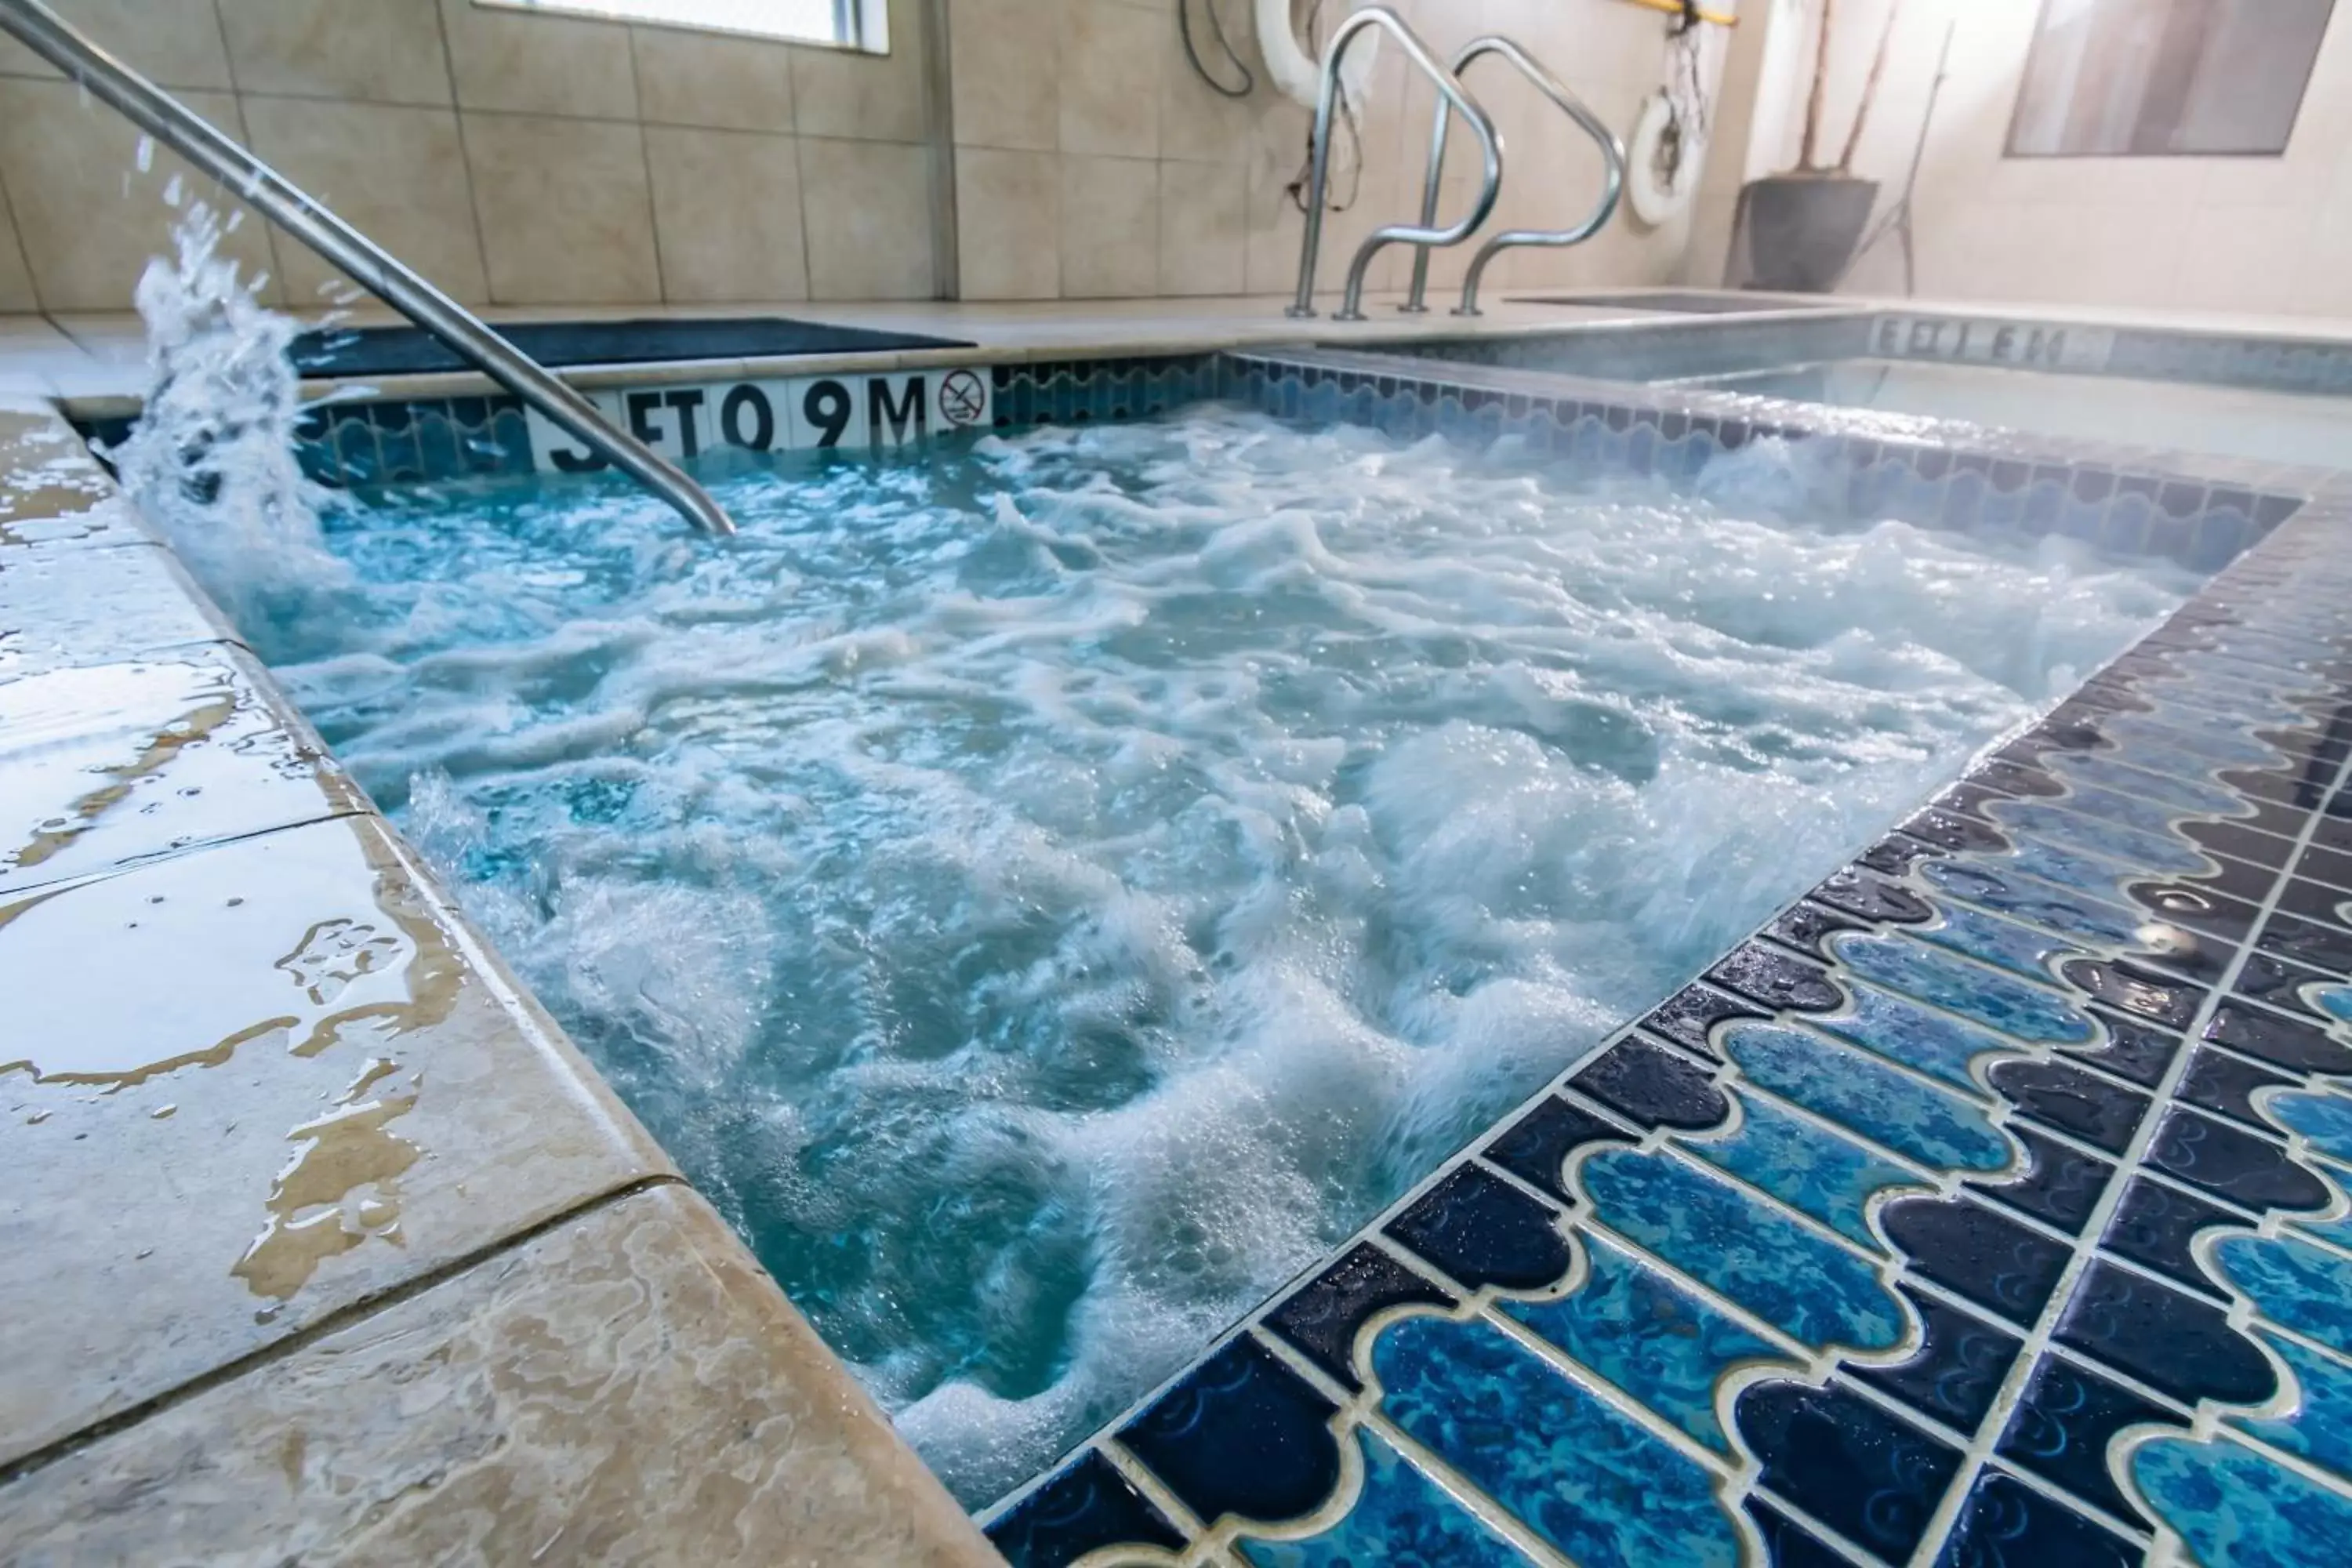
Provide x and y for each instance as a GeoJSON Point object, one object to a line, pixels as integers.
{"type": "Point", "coordinates": [1656, 196]}
{"type": "Point", "coordinates": [1296, 74]}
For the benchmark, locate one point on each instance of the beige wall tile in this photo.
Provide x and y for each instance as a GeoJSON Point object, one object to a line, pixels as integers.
{"type": "Point", "coordinates": [1196, 122]}
{"type": "Point", "coordinates": [727, 212]}
{"type": "Point", "coordinates": [383, 51]}
{"type": "Point", "coordinates": [564, 212]}
{"type": "Point", "coordinates": [1008, 222]}
{"type": "Point", "coordinates": [1110, 78]}
{"type": "Point", "coordinates": [868, 97]}
{"type": "Point", "coordinates": [710, 80]}
{"type": "Point", "coordinates": [174, 43]}
{"type": "Point", "coordinates": [1003, 64]}
{"type": "Point", "coordinates": [1203, 227]}
{"type": "Point", "coordinates": [16, 282]}
{"type": "Point", "coordinates": [538, 65]}
{"type": "Point", "coordinates": [1110, 227]}
{"type": "Point", "coordinates": [87, 218]}
{"type": "Point", "coordinates": [397, 174]}
{"type": "Point", "coordinates": [868, 217]}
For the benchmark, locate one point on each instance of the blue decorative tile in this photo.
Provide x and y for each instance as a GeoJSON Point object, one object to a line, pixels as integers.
{"type": "Point", "coordinates": [2236, 1510]}
{"type": "Point", "coordinates": [2319, 1426]}
{"type": "Point", "coordinates": [1242, 1434]}
{"type": "Point", "coordinates": [1088, 1506]}
{"type": "Point", "coordinates": [2281, 1041]}
{"type": "Point", "coordinates": [2325, 1119]}
{"type": "Point", "coordinates": [1941, 1130]}
{"type": "Point", "coordinates": [1400, 1516]}
{"type": "Point", "coordinates": [2127, 847]}
{"type": "Point", "coordinates": [1589, 1479]}
{"type": "Point", "coordinates": [1860, 894]}
{"type": "Point", "coordinates": [1986, 1256]}
{"type": "Point", "coordinates": [2007, 1524]}
{"type": "Point", "coordinates": [1775, 979]}
{"type": "Point", "coordinates": [2155, 1224]}
{"type": "Point", "coordinates": [2022, 949]}
{"type": "Point", "coordinates": [1803, 926]}
{"type": "Point", "coordinates": [1686, 1016]}
{"type": "Point", "coordinates": [1322, 1317]}
{"type": "Point", "coordinates": [2062, 1427]}
{"type": "Point", "coordinates": [1649, 1336]}
{"type": "Point", "coordinates": [1903, 1031]}
{"type": "Point", "coordinates": [1536, 1147]}
{"type": "Point", "coordinates": [2043, 904]}
{"type": "Point", "coordinates": [2060, 1095]}
{"type": "Point", "coordinates": [1816, 1293]}
{"type": "Point", "coordinates": [2171, 1341]}
{"type": "Point", "coordinates": [1873, 1478]}
{"type": "Point", "coordinates": [1652, 1086]}
{"type": "Point", "coordinates": [2268, 979]}
{"type": "Point", "coordinates": [1481, 1231]}
{"type": "Point", "coordinates": [2325, 948]}
{"type": "Point", "coordinates": [1787, 1543]}
{"type": "Point", "coordinates": [2234, 1165]}
{"type": "Point", "coordinates": [2026, 1011]}
{"type": "Point", "coordinates": [1957, 1370]}
{"type": "Point", "coordinates": [1810, 1169]}
{"type": "Point", "coordinates": [2293, 1283]}
{"type": "Point", "coordinates": [2130, 989]}
{"type": "Point", "coordinates": [2060, 1186]}
{"type": "Point", "coordinates": [2134, 1049]}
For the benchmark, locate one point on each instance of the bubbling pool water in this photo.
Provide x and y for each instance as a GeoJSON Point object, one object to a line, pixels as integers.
{"type": "Point", "coordinates": [1048, 895]}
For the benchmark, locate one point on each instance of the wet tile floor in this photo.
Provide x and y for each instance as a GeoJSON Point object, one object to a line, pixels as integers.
{"type": "Point", "coordinates": [1988, 1208]}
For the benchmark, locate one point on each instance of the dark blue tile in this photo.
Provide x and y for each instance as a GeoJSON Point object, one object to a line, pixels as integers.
{"type": "Point", "coordinates": [1957, 1370]}
{"type": "Point", "coordinates": [2007, 1524]}
{"type": "Point", "coordinates": [1897, 854]}
{"type": "Point", "coordinates": [2132, 1050]}
{"type": "Point", "coordinates": [2171, 1341]}
{"type": "Point", "coordinates": [1088, 1506]}
{"type": "Point", "coordinates": [2129, 988]}
{"type": "Point", "coordinates": [1986, 1256]}
{"type": "Point", "coordinates": [2267, 978]}
{"type": "Point", "coordinates": [1653, 1086]}
{"type": "Point", "coordinates": [1398, 1516]}
{"type": "Point", "coordinates": [2060, 1186]}
{"type": "Point", "coordinates": [1687, 1015]}
{"type": "Point", "coordinates": [2155, 1224]}
{"type": "Point", "coordinates": [1803, 925]}
{"type": "Point", "coordinates": [2060, 1095]}
{"type": "Point", "coordinates": [1481, 1231]}
{"type": "Point", "coordinates": [2316, 946]}
{"type": "Point", "coordinates": [2241, 842]}
{"type": "Point", "coordinates": [1845, 1461]}
{"type": "Point", "coordinates": [1241, 1435]}
{"type": "Point", "coordinates": [1949, 830]}
{"type": "Point", "coordinates": [2281, 1041]}
{"type": "Point", "coordinates": [1777, 979]}
{"type": "Point", "coordinates": [2228, 1085]}
{"type": "Point", "coordinates": [1859, 893]}
{"type": "Point", "coordinates": [2063, 1424]}
{"type": "Point", "coordinates": [2329, 866]}
{"type": "Point", "coordinates": [1322, 1319]}
{"type": "Point", "coordinates": [2316, 901]}
{"type": "Point", "coordinates": [2234, 1165]}
{"type": "Point", "coordinates": [1536, 1146]}
{"type": "Point", "coordinates": [1787, 1543]}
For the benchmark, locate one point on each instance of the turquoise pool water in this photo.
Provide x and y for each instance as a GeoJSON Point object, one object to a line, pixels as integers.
{"type": "Point", "coordinates": [1047, 893]}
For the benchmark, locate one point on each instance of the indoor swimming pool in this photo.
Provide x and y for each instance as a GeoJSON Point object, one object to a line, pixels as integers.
{"type": "Point", "coordinates": [1048, 892]}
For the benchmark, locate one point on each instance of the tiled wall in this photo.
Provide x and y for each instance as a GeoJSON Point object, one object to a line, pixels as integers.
{"type": "Point", "coordinates": [1092, 161]}
{"type": "Point", "coordinates": [518, 160]}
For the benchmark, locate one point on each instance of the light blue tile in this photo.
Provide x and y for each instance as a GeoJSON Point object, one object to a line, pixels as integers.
{"type": "Point", "coordinates": [1903, 1031]}
{"type": "Point", "coordinates": [1939, 1130]}
{"type": "Point", "coordinates": [2335, 1001]}
{"type": "Point", "coordinates": [1649, 1336]}
{"type": "Point", "coordinates": [2320, 1427]}
{"type": "Point", "coordinates": [2150, 852]}
{"type": "Point", "coordinates": [1804, 1165]}
{"type": "Point", "coordinates": [2005, 945]}
{"type": "Point", "coordinates": [2028, 899]}
{"type": "Point", "coordinates": [1744, 1248]}
{"type": "Point", "coordinates": [2219, 744]}
{"type": "Point", "coordinates": [2293, 1282]}
{"type": "Point", "coordinates": [1584, 1477]}
{"type": "Point", "coordinates": [2012, 1006]}
{"type": "Point", "coordinates": [2067, 867]}
{"type": "Point", "coordinates": [2113, 805]}
{"type": "Point", "coordinates": [1401, 1516]}
{"type": "Point", "coordinates": [2236, 1510]}
{"type": "Point", "coordinates": [2325, 1119]}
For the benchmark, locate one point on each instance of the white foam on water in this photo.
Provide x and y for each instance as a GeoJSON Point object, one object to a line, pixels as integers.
{"type": "Point", "coordinates": [1049, 895]}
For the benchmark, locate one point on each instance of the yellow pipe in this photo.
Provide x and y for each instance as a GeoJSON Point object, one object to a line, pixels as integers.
{"type": "Point", "coordinates": [1674, 8]}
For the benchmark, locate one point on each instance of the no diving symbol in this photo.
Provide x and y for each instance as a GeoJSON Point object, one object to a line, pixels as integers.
{"type": "Point", "coordinates": [962, 398]}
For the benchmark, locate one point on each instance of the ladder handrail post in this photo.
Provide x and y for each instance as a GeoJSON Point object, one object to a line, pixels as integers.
{"type": "Point", "coordinates": [278, 199]}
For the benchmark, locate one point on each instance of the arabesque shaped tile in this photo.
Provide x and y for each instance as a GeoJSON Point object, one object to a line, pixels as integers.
{"type": "Point", "coordinates": [626, 1387]}
{"type": "Point", "coordinates": [2237, 1509]}
{"type": "Point", "coordinates": [104, 765]}
{"type": "Point", "coordinates": [1400, 1516]}
{"type": "Point", "coordinates": [250, 1085]}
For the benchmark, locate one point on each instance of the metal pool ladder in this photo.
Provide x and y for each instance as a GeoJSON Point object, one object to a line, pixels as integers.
{"type": "Point", "coordinates": [1613, 154]}
{"type": "Point", "coordinates": [1450, 92]}
{"type": "Point", "coordinates": [373, 268]}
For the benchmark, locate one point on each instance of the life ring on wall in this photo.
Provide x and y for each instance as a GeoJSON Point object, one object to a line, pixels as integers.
{"type": "Point", "coordinates": [1298, 75]}
{"type": "Point", "coordinates": [1659, 179]}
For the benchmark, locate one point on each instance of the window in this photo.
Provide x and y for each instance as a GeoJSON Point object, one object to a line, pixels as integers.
{"type": "Point", "coordinates": [2166, 77]}
{"type": "Point", "coordinates": [846, 24]}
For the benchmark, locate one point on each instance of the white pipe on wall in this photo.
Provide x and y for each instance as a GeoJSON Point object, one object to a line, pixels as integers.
{"type": "Point", "coordinates": [1295, 72]}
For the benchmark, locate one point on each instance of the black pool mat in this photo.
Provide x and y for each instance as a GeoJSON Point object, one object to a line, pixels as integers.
{"type": "Point", "coordinates": [407, 351]}
{"type": "Point", "coordinates": [1695, 303]}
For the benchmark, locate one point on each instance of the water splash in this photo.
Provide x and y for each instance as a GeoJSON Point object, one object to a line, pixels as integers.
{"type": "Point", "coordinates": [212, 458]}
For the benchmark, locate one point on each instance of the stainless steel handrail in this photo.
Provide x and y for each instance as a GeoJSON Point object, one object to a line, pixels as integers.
{"type": "Point", "coordinates": [171, 123]}
{"type": "Point", "coordinates": [1612, 154]}
{"type": "Point", "coordinates": [1451, 91]}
